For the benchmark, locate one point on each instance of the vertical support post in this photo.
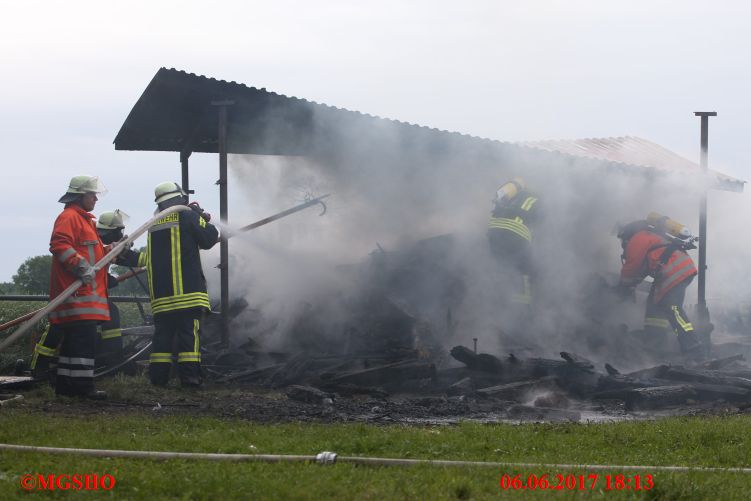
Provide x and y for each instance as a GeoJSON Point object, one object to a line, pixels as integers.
{"type": "Point", "coordinates": [223, 216]}
{"type": "Point", "coordinates": [702, 310]}
{"type": "Point", "coordinates": [184, 156]}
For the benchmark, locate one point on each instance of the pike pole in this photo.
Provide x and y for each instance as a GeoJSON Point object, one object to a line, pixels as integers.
{"type": "Point", "coordinates": [284, 213]}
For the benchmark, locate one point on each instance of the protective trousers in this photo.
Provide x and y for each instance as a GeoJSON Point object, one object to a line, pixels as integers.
{"type": "Point", "coordinates": [110, 348]}
{"type": "Point", "coordinates": [667, 314]}
{"type": "Point", "coordinates": [513, 255]}
{"type": "Point", "coordinates": [75, 364]}
{"type": "Point", "coordinates": [44, 358]}
{"type": "Point", "coordinates": [183, 328]}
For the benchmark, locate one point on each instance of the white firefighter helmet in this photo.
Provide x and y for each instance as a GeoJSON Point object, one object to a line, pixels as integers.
{"type": "Point", "coordinates": [166, 191]}
{"type": "Point", "coordinates": [80, 185]}
{"type": "Point", "coordinates": [112, 220]}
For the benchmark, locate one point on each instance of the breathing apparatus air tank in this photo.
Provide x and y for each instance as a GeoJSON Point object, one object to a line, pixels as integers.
{"type": "Point", "coordinates": [509, 190]}
{"type": "Point", "coordinates": [669, 226]}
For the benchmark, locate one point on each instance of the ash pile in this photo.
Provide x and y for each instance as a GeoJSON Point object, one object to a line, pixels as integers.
{"type": "Point", "coordinates": [377, 351]}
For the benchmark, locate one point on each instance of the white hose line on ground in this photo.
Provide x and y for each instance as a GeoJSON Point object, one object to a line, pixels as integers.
{"type": "Point", "coordinates": [98, 266]}
{"type": "Point", "coordinates": [331, 457]}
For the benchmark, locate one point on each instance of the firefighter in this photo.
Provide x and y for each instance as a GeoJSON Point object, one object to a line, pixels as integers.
{"type": "Point", "coordinates": [657, 247]}
{"type": "Point", "coordinates": [76, 247]}
{"type": "Point", "coordinates": [510, 239]}
{"type": "Point", "coordinates": [177, 286]}
{"type": "Point", "coordinates": [110, 226]}
{"type": "Point", "coordinates": [109, 348]}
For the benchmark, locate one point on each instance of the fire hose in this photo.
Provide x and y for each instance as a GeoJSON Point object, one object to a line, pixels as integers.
{"type": "Point", "coordinates": [13, 323]}
{"type": "Point", "coordinates": [35, 316]}
{"type": "Point", "coordinates": [72, 288]}
{"type": "Point", "coordinates": [328, 458]}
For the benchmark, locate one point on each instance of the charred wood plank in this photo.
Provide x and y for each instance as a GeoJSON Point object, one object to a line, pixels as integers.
{"type": "Point", "coordinates": [719, 363]}
{"type": "Point", "coordinates": [659, 397]}
{"type": "Point", "coordinates": [251, 374]}
{"type": "Point", "coordinates": [392, 373]}
{"type": "Point", "coordinates": [708, 377]}
{"type": "Point", "coordinates": [656, 372]}
{"type": "Point", "coordinates": [540, 367]}
{"type": "Point", "coordinates": [721, 392]}
{"type": "Point", "coordinates": [479, 362]}
{"type": "Point", "coordinates": [612, 370]}
{"type": "Point", "coordinates": [291, 372]}
{"type": "Point", "coordinates": [577, 361]}
{"type": "Point", "coordinates": [349, 390]}
{"type": "Point", "coordinates": [519, 389]}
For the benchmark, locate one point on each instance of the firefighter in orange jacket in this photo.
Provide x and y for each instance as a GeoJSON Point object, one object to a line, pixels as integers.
{"type": "Point", "coordinates": [650, 249]}
{"type": "Point", "coordinates": [109, 350]}
{"type": "Point", "coordinates": [76, 247]}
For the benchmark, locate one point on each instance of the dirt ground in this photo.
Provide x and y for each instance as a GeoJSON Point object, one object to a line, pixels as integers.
{"type": "Point", "coordinates": [135, 395]}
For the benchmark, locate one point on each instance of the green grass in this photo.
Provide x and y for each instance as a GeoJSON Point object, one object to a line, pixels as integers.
{"type": "Point", "coordinates": [720, 441]}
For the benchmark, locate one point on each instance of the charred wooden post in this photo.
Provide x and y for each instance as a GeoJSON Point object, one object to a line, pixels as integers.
{"type": "Point", "coordinates": [223, 211]}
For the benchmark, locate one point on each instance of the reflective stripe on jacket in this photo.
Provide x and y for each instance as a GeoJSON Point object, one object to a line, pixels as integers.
{"type": "Point", "coordinates": [514, 215]}
{"type": "Point", "coordinates": [173, 261]}
{"type": "Point", "coordinates": [643, 257]}
{"type": "Point", "coordinates": [75, 239]}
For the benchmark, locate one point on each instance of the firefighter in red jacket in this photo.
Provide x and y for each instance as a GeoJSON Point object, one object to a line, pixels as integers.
{"type": "Point", "coordinates": [657, 247]}
{"type": "Point", "coordinates": [76, 247]}
{"type": "Point", "coordinates": [109, 351]}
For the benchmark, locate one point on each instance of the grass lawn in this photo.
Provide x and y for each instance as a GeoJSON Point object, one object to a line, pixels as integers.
{"type": "Point", "coordinates": [717, 441]}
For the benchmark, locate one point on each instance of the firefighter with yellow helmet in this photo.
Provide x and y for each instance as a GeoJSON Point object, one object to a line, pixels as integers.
{"type": "Point", "coordinates": [510, 237]}
{"type": "Point", "coordinates": [658, 247]}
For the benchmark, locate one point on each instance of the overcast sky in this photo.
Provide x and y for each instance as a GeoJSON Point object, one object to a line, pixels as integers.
{"type": "Point", "coordinates": [508, 70]}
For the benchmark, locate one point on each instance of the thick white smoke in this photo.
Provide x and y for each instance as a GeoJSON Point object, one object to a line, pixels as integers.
{"type": "Point", "coordinates": [393, 185]}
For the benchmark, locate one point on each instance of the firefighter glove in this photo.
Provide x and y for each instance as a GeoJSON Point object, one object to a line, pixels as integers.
{"type": "Point", "coordinates": [85, 271]}
{"type": "Point", "coordinates": [199, 210]}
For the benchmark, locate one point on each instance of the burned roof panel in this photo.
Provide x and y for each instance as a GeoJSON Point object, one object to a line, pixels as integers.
{"type": "Point", "coordinates": [175, 113]}
{"type": "Point", "coordinates": [631, 151]}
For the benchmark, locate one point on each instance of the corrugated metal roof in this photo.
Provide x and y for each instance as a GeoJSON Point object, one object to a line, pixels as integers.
{"type": "Point", "coordinates": [627, 150]}
{"type": "Point", "coordinates": [175, 113]}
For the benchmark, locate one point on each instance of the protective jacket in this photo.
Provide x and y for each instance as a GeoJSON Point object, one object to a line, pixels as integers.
{"type": "Point", "coordinates": [645, 255]}
{"type": "Point", "coordinates": [514, 215]}
{"type": "Point", "coordinates": [75, 239]}
{"type": "Point", "coordinates": [173, 263]}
